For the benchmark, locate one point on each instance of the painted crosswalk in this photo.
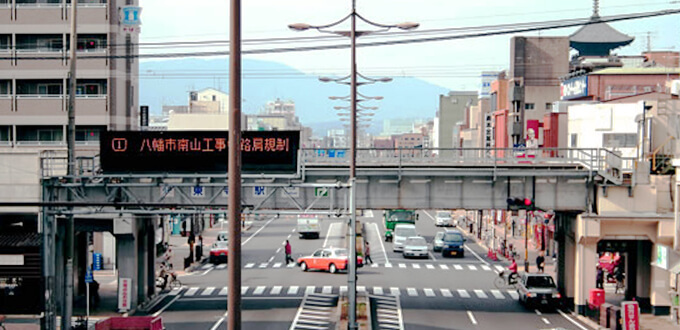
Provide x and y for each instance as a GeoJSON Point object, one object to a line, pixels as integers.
{"type": "Point", "coordinates": [195, 292]}
{"type": "Point", "coordinates": [401, 265]}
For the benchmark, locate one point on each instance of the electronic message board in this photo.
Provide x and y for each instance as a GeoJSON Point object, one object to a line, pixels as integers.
{"type": "Point", "coordinates": [270, 152]}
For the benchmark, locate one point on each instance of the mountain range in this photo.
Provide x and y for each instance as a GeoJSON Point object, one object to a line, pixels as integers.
{"type": "Point", "coordinates": [168, 82]}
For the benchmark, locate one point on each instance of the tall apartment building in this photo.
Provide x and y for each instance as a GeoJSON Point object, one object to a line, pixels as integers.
{"type": "Point", "coordinates": [451, 113]}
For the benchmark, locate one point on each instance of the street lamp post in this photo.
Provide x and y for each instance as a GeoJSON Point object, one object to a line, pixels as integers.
{"type": "Point", "coordinates": [353, 34]}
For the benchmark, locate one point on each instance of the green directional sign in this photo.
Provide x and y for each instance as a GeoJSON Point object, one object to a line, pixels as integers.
{"type": "Point", "coordinates": [320, 192]}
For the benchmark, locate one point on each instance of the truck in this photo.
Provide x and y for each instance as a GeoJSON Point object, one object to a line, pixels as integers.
{"type": "Point", "coordinates": [393, 217]}
{"type": "Point", "coordinates": [308, 227]}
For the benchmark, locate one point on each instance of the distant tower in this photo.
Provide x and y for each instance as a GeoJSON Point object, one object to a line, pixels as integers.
{"type": "Point", "coordinates": [597, 38]}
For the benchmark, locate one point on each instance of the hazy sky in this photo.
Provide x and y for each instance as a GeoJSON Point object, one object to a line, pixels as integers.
{"type": "Point", "coordinates": [452, 64]}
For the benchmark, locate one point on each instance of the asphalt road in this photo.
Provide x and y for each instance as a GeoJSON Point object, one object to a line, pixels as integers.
{"type": "Point", "coordinates": [435, 293]}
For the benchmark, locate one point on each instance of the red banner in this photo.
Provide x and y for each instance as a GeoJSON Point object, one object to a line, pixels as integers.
{"type": "Point", "coordinates": [631, 315]}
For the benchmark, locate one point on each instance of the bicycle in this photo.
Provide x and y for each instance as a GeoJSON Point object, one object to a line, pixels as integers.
{"type": "Point", "coordinates": [503, 281]}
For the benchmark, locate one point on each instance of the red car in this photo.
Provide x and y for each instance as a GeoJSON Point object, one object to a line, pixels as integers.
{"type": "Point", "coordinates": [219, 252]}
{"type": "Point", "coordinates": [329, 259]}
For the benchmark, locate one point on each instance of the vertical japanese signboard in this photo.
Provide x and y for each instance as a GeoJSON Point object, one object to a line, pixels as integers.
{"type": "Point", "coordinates": [124, 293]}
{"type": "Point", "coordinates": [268, 152]}
{"type": "Point", "coordinates": [631, 315]}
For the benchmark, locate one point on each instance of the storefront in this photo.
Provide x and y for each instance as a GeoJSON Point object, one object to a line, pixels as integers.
{"type": "Point", "coordinates": [20, 274]}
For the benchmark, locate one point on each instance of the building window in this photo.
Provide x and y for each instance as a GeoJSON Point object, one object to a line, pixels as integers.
{"type": "Point", "coordinates": [574, 140]}
{"type": "Point", "coordinates": [529, 106]}
{"type": "Point", "coordinates": [5, 133]}
{"type": "Point", "coordinates": [5, 87]}
{"type": "Point", "coordinates": [5, 41]}
{"type": "Point", "coordinates": [89, 133]}
{"type": "Point", "coordinates": [91, 87]}
{"type": "Point", "coordinates": [619, 140]}
{"type": "Point", "coordinates": [40, 134]}
{"type": "Point", "coordinates": [46, 87]}
{"type": "Point", "coordinates": [39, 42]}
{"type": "Point", "coordinates": [548, 107]}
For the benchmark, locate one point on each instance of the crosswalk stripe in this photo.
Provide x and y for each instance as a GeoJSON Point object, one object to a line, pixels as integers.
{"type": "Point", "coordinates": [208, 291]}
{"type": "Point", "coordinates": [463, 293]}
{"type": "Point", "coordinates": [412, 292]}
{"type": "Point", "coordinates": [374, 265]}
{"type": "Point", "coordinates": [513, 294]}
{"type": "Point", "coordinates": [499, 267]}
{"type": "Point", "coordinates": [446, 293]}
{"type": "Point", "coordinates": [310, 289]}
{"type": "Point", "coordinates": [444, 267]}
{"type": "Point", "coordinates": [429, 266]}
{"type": "Point", "coordinates": [377, 290]}
{"type": "Point", "coordinates": [429, 292]}
{"type": "Point", "coordinates": [416, 266]}
{"type": "Point", "coordinates": [497, 294]}
{"type": "Point", "coordinates": [472, 267]}
{"type": "Point", "coordinates": [343, 289]}
{"type": "Point", "coordinates": [207, 266]}
{"type": "Point", "coordinates": [259, 290]}
{"type": "Point", "coordinates": [191, 291]}
{"type": "Point", "coordinates": [221, 266]}
{"type": "Point", "coordinates": [481, 294]}
{"type": "Point", "coordinates": [327, 289]}
{"type": "Point", "coordinates": [277, 265]}
{"type": "Point", "coordinates": [224, 291]}
{"type": "Point", "coordinates": [395, 291]}
{"type": "Point", "coordinates": [402, 265]}
{"type": "Point", "coordinates": [264, 265]}
{"type": "Point", "coordinates": [293, 290]}
{"type": "Point", "coordinates": [485, 267]}
{"type": "Point", "coordinates": [175, 291]}
{"type": "Point", "coordinates": [276, 290]}
{"type": "Point", "coordinates": [458, 267]}
{"type": "Point", "coordinates": [290, 265]}
{"type": "Point", "coordinates": [249, 265]}
{"type": "Point", "coordinates": [361, 288]}
{"type": "Point", "coordinates": [388, 265]}
{"type": "Point", "coordinates": [244, 289]}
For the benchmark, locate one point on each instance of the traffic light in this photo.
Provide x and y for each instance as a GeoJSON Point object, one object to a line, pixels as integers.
{"type": "Point", "coordinates": [515, 203]}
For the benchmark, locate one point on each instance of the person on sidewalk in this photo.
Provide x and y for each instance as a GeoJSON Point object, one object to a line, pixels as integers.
{"type": "Point", "coordinates": [367, 254]}
{"type": "Point", "coordinates": [288, 251]}
{"type": "Point", "coordinates": [599, 279]}
{"type": "Point", "coordinates": [540, 262]}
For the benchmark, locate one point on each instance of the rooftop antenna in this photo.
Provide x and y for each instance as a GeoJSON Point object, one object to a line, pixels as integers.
{"type": "Point", "coordinates": [596, 9]}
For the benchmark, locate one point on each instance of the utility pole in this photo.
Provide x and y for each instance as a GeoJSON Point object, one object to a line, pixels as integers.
{"type": "Point", "coordinates": [234, 169]}
{"type": "Point", "coordinates": [69, 246]}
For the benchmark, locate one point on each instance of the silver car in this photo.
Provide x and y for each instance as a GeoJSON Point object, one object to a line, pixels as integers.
{"type": "Point", "coordinates": [438, 242]}
{"type": "Point", "coordinates": [415, 246]}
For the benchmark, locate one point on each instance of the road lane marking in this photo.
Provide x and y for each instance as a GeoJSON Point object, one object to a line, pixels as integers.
{"type": "Point", "coordinates": [485, 267]}
{"type": "Point", "coordinates": [259, 290]}
{"type": "Point", "coordinates": [328, 234]}
{"type": "Point", "coordinates": [361, 288]}
{"type": "Point", "coordinates": [221, 266]}
{"type": "Point", "coordinates": [343, 289]}
{"type": "Point", "coordinates": [290, 265]}
{"type": "Point", "coordinates": [377, 290]}
{"type": "Point", "coordinates": [387, 261]}
{"type": "Point", "coordinates": [571, 320]}
{"type": "Point", "coordinates": [472, 267]}
{"type": "Point", "coordinates": [207, 266]}
{"type": "Point", "coordinates": [327, 289]}
{"type": "Point", "coordinates": [481, 294]}
{"type": "Point", "coordinates": [191, 291]}
{"type": "Point", "coordinates": [458, 267]}
{"type": "Point", "coordinates": [264, 265]}
{"type": "Point", "coordinates": [545, 320]}
{"type": "Point", "coordinates": [271, 259]}
{"type": "Point", "coordinates": [223, 292]}
{"type": "Point", "coordinates": [446, 293]}
{"type": "Point", "coordinates": [249, 265]}
{"type": "Point", "coordinates": [429, 215]}
{"type": "Point", "coordinates": [416, 266]}
{"type": "Point", "coordinates": [374, 265]}
{"type": "Point", "coordinates": [258, 231]}
{"type": "Point", "coordinates": [310, 289]}
{"type": "Point", "coordinates": [513, 294]}
{"type": "Point", "coordinates": [293, 290]}
{"type": "Point", "coordinates": [444, 267]}
{"type": "Point", "coordinates": [538, 312]}
{"type": "Point", "coordinates": [276, 290]}
{"type": "Point", "coordinates": [429, 292]}
{"type": "Point", "coordinates": [168, 305]}
{"type": "Point", "coordinates": [402, 265]}
{"type": "Point", "coordinates": [395, 291]}
{"type": "Point", "coordinates": [476, 255]}
{"type": "Point", "coordinates": [500, 268]}
{"type": "Point", "coordinates": [219, 322]}
{"type": "Point", "coordinates": [277, 265]}
{"type": "Point", "coordinates": [429, 266]}
{"type": "Point", "coordinates": [497, 294]}
{"type": "Point", "coordinates": [388, 265]}
{"type": "Point", "coordinates": [472, 318]}
{"type": "Point", "coordinates": [432, 256]}
{"type": "Point", "coordinates": [175, 291]}
{"type": "Point", "coordinates": [412, 292]}
{"type": "Point", "coordinates": [208, 291]}
{"type": "Point", "coordinates": [463, 293]}
{"type": "Point", "coordinates": [244, 289]}
{"type": "Point", "coordinates": [279, 249]}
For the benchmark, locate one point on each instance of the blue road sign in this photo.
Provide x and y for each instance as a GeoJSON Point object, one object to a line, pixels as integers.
{"type": "Point", "coordinates": [88, 276]}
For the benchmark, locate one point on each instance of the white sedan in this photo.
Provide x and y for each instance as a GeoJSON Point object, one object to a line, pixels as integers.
{"type": "Point", "coordinates": [415, 246]}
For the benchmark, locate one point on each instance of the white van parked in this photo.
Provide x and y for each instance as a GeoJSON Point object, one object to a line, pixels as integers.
{"type": "Point", "coordinates": [402, 231]}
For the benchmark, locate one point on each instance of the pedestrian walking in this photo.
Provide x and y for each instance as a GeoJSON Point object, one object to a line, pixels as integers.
{"type": "Point", "coordinates": [599, 279]}
{"type": "Point", "coordinates": [288, 251]}
{"type": "Point", "coordinates": [367, 254]}
{"type": "Point", "coordinates": [540, 262]}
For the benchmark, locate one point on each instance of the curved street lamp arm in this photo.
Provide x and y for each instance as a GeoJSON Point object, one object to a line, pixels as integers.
{"type": "Point", "coordinates": [304, 26]}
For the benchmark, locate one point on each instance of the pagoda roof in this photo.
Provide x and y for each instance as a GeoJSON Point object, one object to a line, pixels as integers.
{"type": "Point", "coordinates": [598, 32]}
